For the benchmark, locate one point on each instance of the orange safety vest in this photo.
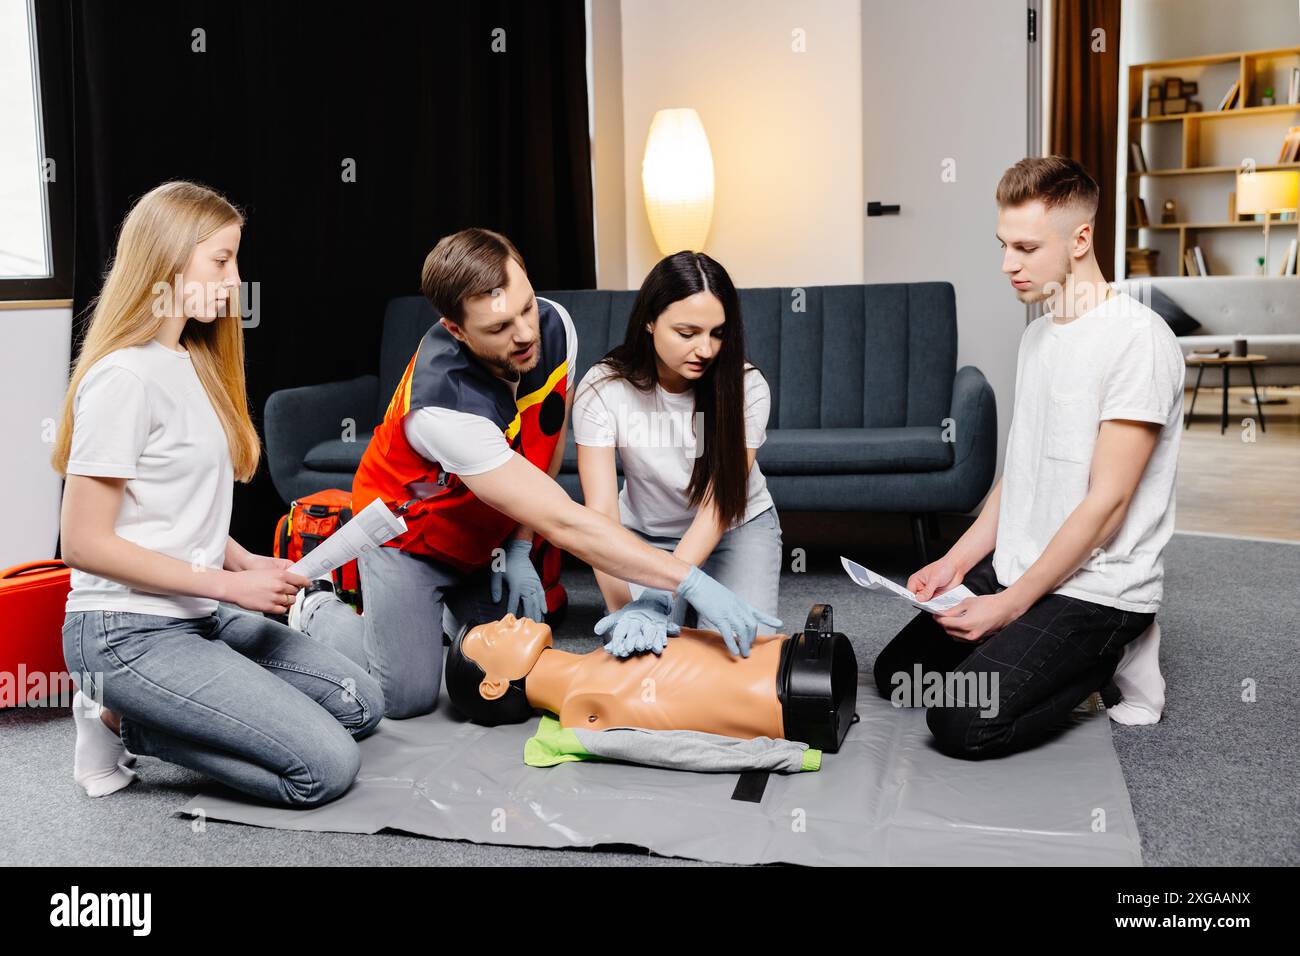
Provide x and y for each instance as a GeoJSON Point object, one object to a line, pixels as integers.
{"type": "Point", "coordinates": [452, 525]}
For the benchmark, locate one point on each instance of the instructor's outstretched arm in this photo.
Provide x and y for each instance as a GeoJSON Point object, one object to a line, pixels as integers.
{"type": "Point", "coordinates": [528, 495]}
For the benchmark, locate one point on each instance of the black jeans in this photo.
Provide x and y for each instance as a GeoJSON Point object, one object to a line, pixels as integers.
{"type": "Point", "coordinates": [1038, 668]}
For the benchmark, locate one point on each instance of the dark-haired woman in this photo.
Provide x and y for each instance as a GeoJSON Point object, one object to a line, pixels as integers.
{"type": "Point", "coordinates": [687, 413]}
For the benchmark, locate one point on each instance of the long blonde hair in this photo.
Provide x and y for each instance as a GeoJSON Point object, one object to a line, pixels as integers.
{"type": "Point", "coordinates": [157, 238]}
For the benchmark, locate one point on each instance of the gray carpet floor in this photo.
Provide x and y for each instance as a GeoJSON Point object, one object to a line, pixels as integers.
{"type": "Point", "coordinates": [1216, 782]}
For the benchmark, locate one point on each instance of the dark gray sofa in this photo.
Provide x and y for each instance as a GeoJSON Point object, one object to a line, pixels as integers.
{"type": "Point", "coordinates": [863, 379]}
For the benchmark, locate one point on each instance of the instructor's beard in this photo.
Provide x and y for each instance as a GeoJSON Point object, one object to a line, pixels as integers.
{"type": "Point", "coordinates": [506, 368]}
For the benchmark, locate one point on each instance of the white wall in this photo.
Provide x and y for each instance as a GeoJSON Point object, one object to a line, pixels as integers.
{"type": "Point", "coordinates": [785, 130]}
{"type": "Point", "coordinates": [1176, 29]}
{"type": "Point", "coordinates": [33, 379]}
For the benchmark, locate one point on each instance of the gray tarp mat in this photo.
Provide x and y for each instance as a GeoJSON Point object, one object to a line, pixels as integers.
{"type": "Point", "coordinates": [888, 797]}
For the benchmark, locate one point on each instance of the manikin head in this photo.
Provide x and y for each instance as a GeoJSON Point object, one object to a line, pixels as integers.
{"type": "Point", "coordinates": [1047, 209]}
{"type": "Point", "coordinates": [487, 665]}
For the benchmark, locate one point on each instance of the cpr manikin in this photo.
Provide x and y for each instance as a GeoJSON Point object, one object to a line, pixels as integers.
{"type": "Point", "coordinates": [800, 688]}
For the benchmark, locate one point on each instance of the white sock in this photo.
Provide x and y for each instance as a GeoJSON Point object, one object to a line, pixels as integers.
{"type": "Point", "coordinates": [1139, 680]}
{"type": "Point", "coordinates": [97, 762]}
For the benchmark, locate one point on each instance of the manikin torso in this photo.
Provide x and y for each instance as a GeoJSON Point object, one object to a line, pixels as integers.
{"type": "Point", "coordinates": [696, 684]}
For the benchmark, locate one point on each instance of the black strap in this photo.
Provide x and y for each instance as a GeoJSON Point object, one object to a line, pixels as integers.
{"type": "Point", "coordinates": [750, 786]}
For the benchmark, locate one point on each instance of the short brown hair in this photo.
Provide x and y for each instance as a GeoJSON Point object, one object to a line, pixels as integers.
{"type": "Point", "coordinates": [1056, 181]}
{"type": "Point", "coordinates": [466, 264]}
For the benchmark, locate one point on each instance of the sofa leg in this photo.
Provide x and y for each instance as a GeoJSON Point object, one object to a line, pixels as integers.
{"type": "Point", "coordinates": [932, 525]}
{"type": "Point", "coordinates": [918, 540]}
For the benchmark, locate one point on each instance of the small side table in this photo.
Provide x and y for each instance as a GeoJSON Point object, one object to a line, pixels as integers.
{"type": "Point", "coordinates": [1225, 362]}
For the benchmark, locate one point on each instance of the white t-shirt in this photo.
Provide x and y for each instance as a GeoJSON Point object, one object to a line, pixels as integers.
{"type": "Point", "coordinates": [656, 440]}
{"type": "Point", "coordinates": [466, 444]}
{"type": "Point", "coordinates": [142, 414]}
{"type": "Point", "coordinates": [1118, 361]}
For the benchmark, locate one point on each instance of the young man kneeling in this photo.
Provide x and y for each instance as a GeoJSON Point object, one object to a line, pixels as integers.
{"type": "Point", "coordinates": [1065, 558]}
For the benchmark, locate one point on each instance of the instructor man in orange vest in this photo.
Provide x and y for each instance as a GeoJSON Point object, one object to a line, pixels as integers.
{"type": "Point", "coordinates": [468, 452]}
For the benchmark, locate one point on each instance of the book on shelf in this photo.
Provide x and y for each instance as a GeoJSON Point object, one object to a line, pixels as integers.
{"type": "Point", "coordinates": [1139, 261]}
{"type": "Point", "coordinates": [1230, 97]}
{"type": "Point", "coordinates": [1290, 146]}
{"type": "Point", "coordinates": [1140, 212]}
{"type": "Point", "coordinates": [1139, 161]}
{"type": "Point", "coordinates": [1293, 91]}
{"type": "Point", "coordinates": [1194, 262]}
{"type": "Point", "coordinates": [1288, 263]}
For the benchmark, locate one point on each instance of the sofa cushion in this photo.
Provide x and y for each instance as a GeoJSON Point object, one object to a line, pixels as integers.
{"type": "Point", "coordinates": [854, 451]}
{"type": "Point", "coordinates": [836, 451]}
{"type": "Point", "coordinates": [787, 451]}
{"type": "Point", "coordinates": [337, 454]}
{"type": "Point", "coordinates": [1231, 305]}
{"type": "Point", "coordinates": [848, 356]}
{"type": "Point", "coordinates": [1173, 313]}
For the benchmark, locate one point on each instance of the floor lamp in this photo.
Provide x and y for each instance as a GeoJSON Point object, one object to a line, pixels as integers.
{"type": "Point", "coordinates": [1266, 193]}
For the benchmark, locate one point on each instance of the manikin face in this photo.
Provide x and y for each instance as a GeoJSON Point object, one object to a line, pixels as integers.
{"type": "Point", "coordinates": [1041, 247]}
{"type": "Point", "coordinates": [506, 650]}
{"type": "Point", "coordinates": [209, 275]}
{"type": "Point", "coordinates": [501, 329]}
{"type": "Point", "coordinates": [687, 338]}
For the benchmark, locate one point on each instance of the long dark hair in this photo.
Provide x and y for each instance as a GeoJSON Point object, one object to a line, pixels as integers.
{"type": "Point", "coordinates": [722, 466]}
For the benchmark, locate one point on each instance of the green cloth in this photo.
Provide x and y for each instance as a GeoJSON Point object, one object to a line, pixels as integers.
{"type": "Point", "coordinates": [553, 744]}
{"type": "Point", "coordinates": [670, 749]}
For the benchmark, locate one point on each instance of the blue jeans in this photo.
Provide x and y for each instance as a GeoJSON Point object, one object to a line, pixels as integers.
{"type": "Point", "coordinates": [410, 600]}
{"type": "Point", "coordinates": [746, 561]}
{"type": "Point", "coordinates": [234, 695]}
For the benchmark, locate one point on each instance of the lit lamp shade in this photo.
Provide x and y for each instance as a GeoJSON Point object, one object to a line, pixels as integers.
{"type": "Point", "coordinates": [1265, 192]}
{"type": "Point", "coordinates": [677, 179]}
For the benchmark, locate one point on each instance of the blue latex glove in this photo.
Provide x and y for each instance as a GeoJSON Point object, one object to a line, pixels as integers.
{"type": "Point", "coordinates": [523, 586]}
{"type": "Point", "coordinates": [640, 625]}
{"type": "Point", "coordinates": [736, 620]}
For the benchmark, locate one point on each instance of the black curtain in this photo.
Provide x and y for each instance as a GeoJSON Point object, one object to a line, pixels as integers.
{"type": "Point", "coordinates": [446, 131]}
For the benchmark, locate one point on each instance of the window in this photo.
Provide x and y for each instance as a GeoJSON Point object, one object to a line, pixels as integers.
{"type": "Point", "coordinates": [35, 176]}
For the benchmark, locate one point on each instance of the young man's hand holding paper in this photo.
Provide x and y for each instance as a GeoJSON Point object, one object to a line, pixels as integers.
{"type": "Point", "coordinates": [871, 580]}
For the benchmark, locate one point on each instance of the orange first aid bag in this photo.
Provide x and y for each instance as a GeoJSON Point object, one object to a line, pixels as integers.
{"type": "Point", "coordinates": [32, 599]}
{"type": "Point", "coordinates": [312, 519]}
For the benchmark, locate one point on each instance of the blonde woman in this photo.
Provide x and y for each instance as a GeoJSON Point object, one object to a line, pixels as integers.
{"type": "Point", "coordinates": [155, 429]}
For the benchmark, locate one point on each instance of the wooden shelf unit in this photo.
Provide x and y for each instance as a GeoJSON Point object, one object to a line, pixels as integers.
{"type": "Point", "coordinates": [1139, 77]}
